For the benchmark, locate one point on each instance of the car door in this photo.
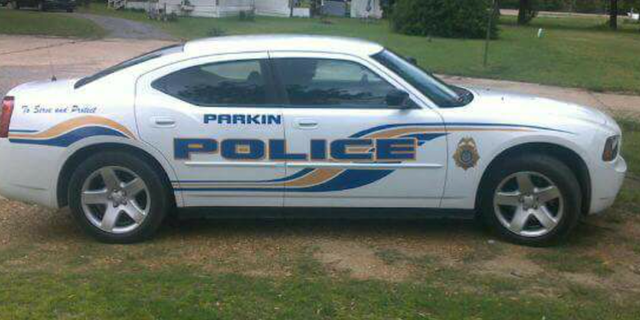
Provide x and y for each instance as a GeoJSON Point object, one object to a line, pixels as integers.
{"type": "Point", "coordinates": [211, 117]}
{"type": "Point", "coordinates": [347, 146]}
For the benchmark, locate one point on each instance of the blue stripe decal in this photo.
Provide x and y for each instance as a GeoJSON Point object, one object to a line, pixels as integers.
{"type": "Point", "coordinates": [453, 124]}
{"type": "Point", "coordinates": [22, 131]}
{"type": "Point", "coordinates": [349, 179]}
{"type": "Point", "coordinates": [353, 178]}
{"type": "Point", "coordinates": [71, 137]}
{"type": "Point", "coordinates": [389, 126]}
{"type": "Point", "coordinates": [291, 177]}
{"type": "Point", "coordinates": [471, 124]}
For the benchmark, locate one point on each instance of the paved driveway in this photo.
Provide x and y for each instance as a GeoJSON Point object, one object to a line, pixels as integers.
{"type": "Point", "coordinates": [24, 59]}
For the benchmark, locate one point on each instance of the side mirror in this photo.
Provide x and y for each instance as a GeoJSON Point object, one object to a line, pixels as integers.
{"type": "Point", "coordinates": [398, 99]}
{"type": "Point", "coordinates": [412, 60]}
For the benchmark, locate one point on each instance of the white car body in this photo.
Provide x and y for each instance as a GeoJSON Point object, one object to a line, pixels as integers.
{"type": "Point", "coordinates": [53, 121]}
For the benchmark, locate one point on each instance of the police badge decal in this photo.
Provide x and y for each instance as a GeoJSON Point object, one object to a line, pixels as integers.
{"type": "Point", "coordinates": [466, 155]}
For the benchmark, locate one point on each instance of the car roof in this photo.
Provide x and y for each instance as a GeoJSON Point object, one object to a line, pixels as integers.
{"type": "Point", "coordinates": [238, 44]}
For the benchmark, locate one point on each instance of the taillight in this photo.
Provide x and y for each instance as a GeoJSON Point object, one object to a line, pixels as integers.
{"type": "Point", "coordinates": [5, 116]}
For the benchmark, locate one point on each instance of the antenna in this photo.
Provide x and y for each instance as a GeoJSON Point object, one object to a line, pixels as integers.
{"type": "Point", "coordinates": [53, 73]}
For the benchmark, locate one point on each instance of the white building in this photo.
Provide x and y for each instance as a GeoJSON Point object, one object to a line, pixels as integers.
{"type": "Point", "coordinates": [223, 8]}
{"type": "Point", "coordinates": [366, 9]}
{"type": "Point", "coordinates": [205, 8]}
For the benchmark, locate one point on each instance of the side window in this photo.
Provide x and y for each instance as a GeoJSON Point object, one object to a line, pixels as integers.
{"type": "Point", "coordinates": [224, 83]}
{"type": "Point", "coordinates": [331, 84]}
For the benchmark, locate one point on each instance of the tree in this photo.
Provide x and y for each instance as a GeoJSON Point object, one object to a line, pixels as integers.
{"type": "Point", "coordinates": [445, 18]}
{"type": "Point", "coordinates": [613, 15]}
{"type": "Point", "coordinates": [525, 12]}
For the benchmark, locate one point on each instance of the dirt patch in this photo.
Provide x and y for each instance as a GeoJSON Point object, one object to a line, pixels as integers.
{"type": "Point", "coordinates": [360, 261]}
{"type": "Point", "coordinates": [512, 263]}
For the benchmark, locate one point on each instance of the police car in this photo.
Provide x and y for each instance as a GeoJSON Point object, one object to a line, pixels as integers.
{"type": "Point", "coordinates": [301, 121]}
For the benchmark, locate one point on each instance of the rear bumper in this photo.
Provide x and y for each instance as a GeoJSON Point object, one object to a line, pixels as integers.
{"type": "Point", "coordinates": [606, 183]}
{"type": "Point", "coordinates": [29, 174]}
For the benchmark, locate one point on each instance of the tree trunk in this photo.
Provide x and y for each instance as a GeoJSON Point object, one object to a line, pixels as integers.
{"type": "Point", "coordinates": [291, 8]}
{"type": "Point", "coordinates": [523, 12]}
{"type": "Point", "coordinates": [613, 15]}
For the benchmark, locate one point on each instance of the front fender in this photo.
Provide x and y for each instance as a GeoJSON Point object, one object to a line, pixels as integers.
{"type": "Point", "coordinates": [463, 184]}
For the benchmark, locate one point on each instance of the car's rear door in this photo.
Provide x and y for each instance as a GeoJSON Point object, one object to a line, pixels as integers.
{"type": "Point", "coordinates": [212, 118]}
{"type": "Point", "coordinates": [346, 146]}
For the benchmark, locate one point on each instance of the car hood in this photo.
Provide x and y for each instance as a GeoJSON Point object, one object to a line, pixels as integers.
{"type": "Point", "coordinates": [522, 105]}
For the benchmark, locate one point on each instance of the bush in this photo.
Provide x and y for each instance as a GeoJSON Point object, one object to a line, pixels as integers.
{"type": "Point", "coordinates": [444, 18]}
{"type": "Point", "coordinates": [216, 32]}
{"type": "Point", "coordinates": [247, 16]}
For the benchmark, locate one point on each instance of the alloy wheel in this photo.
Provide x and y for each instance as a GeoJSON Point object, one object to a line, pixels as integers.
{"type": "Point", "coordinates": [528, 204]}
{"type": "Point", "coordinates": [115, 200]}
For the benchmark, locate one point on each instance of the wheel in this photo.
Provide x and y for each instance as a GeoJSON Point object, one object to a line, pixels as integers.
{"type": "Point", "coordinates": [70, 10]}
{"type": "Point", "coordinates": [531, 199]}
{"type": "Point", "coordinates": [118, 198]}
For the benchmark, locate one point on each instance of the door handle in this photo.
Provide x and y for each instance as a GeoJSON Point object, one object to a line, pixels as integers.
{"type": "Point", "coordinates": [163, 122]}
{"type": "Point", "coordinates": [306, 124]}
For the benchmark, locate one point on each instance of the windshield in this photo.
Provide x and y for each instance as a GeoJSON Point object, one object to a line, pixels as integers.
{"type": "Point", "coordinates": [442, 94]}
{"type": "Point", "coordinates": [129, 63]}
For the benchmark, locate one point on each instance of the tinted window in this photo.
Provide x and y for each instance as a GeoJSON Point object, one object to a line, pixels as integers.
{"type": "Point", "coordinates": [332, 83]}
{"type": "Point", "coordinates": [225, 83]}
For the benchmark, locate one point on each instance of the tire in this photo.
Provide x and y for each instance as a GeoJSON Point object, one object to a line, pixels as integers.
{"type": "Point", "coordinates": [149, 206]}
{"type": "Point", "coordinates": [501, 200]}
{"type": "Point", "coordinates": [70, 10]}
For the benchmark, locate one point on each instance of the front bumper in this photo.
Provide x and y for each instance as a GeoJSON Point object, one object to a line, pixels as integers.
{"type": "Point", "coordinates": [606, 183]}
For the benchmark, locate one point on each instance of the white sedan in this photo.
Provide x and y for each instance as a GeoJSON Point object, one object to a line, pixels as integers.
{"type": "Point", "coordinates": [301, 121]}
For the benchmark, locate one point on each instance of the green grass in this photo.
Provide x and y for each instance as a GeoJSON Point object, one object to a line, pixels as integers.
{"type": "Point", "coordinates": [188, 293]}
{"type": "Point", "coordinates": [574, 51]}
{"type": "Point", "coordinates": [21, 22]}
{"type": "Point", "coordinates": [631, 144]}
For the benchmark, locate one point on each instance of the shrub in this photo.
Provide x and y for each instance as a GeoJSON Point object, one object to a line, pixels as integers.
{"type": "Point", "coordinates": [444, 18]}
{"type": "Point", "coordinates": [216, 32]}
{"type": "Point", "coordinates": [247, 16]}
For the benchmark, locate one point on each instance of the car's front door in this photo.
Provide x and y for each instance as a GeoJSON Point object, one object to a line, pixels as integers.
{"type": "Point", "coordinates": [213, 119]}
{"type": "Point", "coordinates": [346, 145]}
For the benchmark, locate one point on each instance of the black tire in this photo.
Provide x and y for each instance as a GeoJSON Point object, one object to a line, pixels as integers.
{"type": "Point", "coordinates": [558, 172]}
{"type": "Point", "coordinates": [160, 196]}
{"type": "Point", "coordinates": [70, 10]}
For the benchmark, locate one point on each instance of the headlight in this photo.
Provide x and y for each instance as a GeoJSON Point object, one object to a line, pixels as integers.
{"type": "Point", "coordinates": [611, 148]}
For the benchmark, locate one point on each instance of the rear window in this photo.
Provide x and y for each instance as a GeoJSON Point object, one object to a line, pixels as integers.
{"type": "Point", "coordinates": [130, 63]}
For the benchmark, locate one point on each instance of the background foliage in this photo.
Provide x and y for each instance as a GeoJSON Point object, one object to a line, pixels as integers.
{"type": "Point", "coordinates": [444, 18]}
{"type": "Point", "coordinates": [583, 6]}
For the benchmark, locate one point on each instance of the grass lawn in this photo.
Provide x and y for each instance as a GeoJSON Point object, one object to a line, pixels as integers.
{"type": "Point", "coordinates": [574, 51]}
{"type": "Point", "coordinates": [24, 22]}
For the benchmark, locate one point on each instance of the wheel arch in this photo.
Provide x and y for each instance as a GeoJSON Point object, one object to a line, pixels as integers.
{"type": "Point", "coordinates": [83, 153]}
{"type": "Point", "coordinates": [566, 155]}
